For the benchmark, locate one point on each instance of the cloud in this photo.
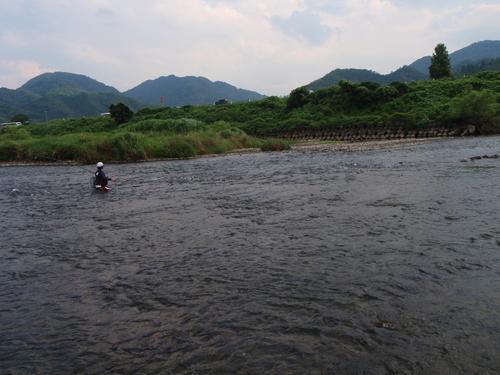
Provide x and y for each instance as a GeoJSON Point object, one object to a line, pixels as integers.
{"type": "Point", "coordinates": [103, 12]}
{"type": "Point", "coordinates": [304, 25]}
{"type": "Point", "coordinates": [271, 46]}
{"type": "Point", "coordinates": [12, 39]}
{"type": "Point", "coordinates": [14, 73]}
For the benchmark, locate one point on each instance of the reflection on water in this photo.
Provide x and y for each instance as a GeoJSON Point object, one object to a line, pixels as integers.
{"type": "Point", "coordinates": [377, 262]}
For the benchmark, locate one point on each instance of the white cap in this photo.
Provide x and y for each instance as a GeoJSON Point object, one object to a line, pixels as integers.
{"type": "Point", "coordinates": [100, 165]}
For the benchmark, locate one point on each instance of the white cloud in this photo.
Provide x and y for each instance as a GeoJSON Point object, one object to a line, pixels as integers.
{"type": "Point", "coordinates": [123, 42]}
{"type": "Point", "coordinates": [305, 25]}
{"type": "Point", "coordinates": [14, 73]}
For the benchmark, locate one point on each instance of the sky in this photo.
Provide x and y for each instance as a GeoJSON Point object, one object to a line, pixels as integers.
{"type": "Point", "coordinates": [270, 46]}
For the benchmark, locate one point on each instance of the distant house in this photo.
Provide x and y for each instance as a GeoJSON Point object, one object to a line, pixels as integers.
{"type": "Point", "coordinates": [105, 114]}
{"type": "Point", "coordinates": [11, 123]}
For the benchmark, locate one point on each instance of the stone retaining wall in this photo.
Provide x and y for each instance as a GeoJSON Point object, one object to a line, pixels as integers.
{"type": "Point", "coordinates": [367, 134]}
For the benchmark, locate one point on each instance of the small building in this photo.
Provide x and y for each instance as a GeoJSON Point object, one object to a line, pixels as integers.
{"type": "Point", "coordinates": [11, 124]}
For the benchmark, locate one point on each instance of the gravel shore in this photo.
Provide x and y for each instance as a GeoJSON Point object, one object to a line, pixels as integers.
{"type": "Point", "coordinates": [359, 146]}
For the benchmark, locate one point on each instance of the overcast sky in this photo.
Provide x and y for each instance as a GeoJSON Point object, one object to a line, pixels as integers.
{"type": "Point", "coordinates": [270, 46]}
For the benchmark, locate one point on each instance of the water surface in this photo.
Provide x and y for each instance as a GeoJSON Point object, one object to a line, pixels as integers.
{"type": "Point", "coordinates": [383, 262]}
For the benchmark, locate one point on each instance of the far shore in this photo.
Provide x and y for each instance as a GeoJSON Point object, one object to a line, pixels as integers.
{"type": "Point", "coordinates": [305, 146]}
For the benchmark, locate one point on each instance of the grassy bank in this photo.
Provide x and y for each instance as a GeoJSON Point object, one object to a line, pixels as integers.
{"type": "Point", "coordinates": [102, 140]}
{"type": "Point", "coordinates": [190, 131]}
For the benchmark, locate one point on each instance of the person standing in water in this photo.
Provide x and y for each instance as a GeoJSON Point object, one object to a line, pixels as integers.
{"type": "Point", "coordinates": [100, 178]}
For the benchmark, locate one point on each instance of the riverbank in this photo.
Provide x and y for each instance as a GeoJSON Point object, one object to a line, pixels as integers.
{"type": "Point", "coordinates": [306, 146]}
{"type": "Point", "coordinates": [310, 146]}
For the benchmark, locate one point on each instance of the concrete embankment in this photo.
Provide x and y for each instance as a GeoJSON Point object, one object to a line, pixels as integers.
{"type": "Point", "coordinates": [362, 134]}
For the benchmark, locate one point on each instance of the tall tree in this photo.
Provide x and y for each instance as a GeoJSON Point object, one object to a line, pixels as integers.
{"type": "Point", "coordinates": [440, 63]}
{"type": "Point", "coordinates": [298, 98]}
{"type": "Point", "coordinates": [120, 113]}
{"type": "Point", "coordinates": [20, 117]}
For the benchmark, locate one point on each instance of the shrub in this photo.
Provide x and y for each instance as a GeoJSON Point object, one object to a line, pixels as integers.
{"type": "Point", "coordinates": [385, 93]}
{"type": "Point", "coordinates": [474, 107]}
{"type": "Point", "coordinates": [231, 133]}
{"type": "Point", "coordinates": [13, 133]}
{"type": "Point", "coordinates": [172, 126]}
{"type": "Point", "coordinates": [298, 98]}
{"type": "Point", "coordinates": [401, 87]}
{"type": "Point", "coordinates": [22, 118]}
{"type": "Point", "coordinates": [275, 145]}
{"type": "Point", "coordinates": [8, 151]}
{"type": "Point", "coordinates": [180, 148]}
{"type": "Point", "coordinates": [120, 113]}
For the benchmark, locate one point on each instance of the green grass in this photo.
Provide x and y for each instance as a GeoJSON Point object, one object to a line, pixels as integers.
{"type": "Point", "coordinates": [16, 144]}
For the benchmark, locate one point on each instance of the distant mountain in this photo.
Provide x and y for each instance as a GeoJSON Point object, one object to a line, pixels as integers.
{"type": "Point", "coordinates": [179, 91]}
{"type": "Point", "coordinates": [487, 49]}
{"type": "Point", "coordinates": [422, 65]}
{"type": "Point", "coordinates": [353, 75]}
{"type": "Point", "coordinates": [40, 107]}
{"type": "Point", "coordinates": [468, 68]}
{"type": "Point", "coordinates": [60, 95]}
{"type": "Point", "coordinates": [404, 74]}
{"type": "Point", "coordinates": [65, 84]}
{"type": "Point", "coordinates": [418, 70]}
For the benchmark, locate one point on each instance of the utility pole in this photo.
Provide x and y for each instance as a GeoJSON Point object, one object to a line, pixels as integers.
{"type": "Point", "coordinates": [46, 117]}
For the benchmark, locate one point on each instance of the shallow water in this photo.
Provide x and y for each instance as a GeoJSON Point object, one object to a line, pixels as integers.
{"type": "Point", "coordinates": [380, 262]}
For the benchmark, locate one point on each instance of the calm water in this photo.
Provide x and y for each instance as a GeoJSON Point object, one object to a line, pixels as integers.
{"type": "Point", "coordinates": [384, 262]}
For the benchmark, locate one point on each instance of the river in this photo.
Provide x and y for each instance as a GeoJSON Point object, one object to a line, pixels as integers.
{"type": "Point", "coordinates": [378, 262]}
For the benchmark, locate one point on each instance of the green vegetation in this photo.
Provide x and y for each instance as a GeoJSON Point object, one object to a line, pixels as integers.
{"type": "Point", "coordinates": [440, 63]}
{"type": "Point", "coordinates": [120, 113]}
{"type": "Point", "coordinates": [413, 106]}
{"type": "Point", "coordinates": [480, 66]}
{"type": "Point", "coordinates": [88, 140]}
{"type": "Point", "coordinates": [404, 74]}
{"type": "Point", "coordinates": [195, 130]}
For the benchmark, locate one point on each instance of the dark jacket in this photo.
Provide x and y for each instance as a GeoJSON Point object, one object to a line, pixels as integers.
{"type": "Point", "coordinates": [100, 178]}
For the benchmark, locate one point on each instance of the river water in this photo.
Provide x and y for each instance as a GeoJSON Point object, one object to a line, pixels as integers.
{"type": "Point", "coordinates": [381, 262]}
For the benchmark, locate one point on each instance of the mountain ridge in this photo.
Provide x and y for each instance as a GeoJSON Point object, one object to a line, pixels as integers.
{"type": "Point", "coordinates": [486, 49]}
{"type": "Point", "coordinates": [418, 70]}
{"type": "Point", "coordinates": [188, 90]}
{"type": "Point", "coordinates": [64, 94]}
{"type": "Point", "coordinates": [65, 83]}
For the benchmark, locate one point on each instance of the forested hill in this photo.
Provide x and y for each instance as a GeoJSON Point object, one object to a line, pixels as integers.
{"type": "Point", "coordinates": [492, 65]}
{"type": "Point", "coordinates": [418, 70]}
{"type": "Point", "coordinates": [487, 49]}
{"type": "Point", "coordinates": [65, 84]}
{"type": "Point", "coordinates": [60, 95]}
{"type": "Point", "coordinates": [404, 74]}
{"type": "Point", "coordinates": [179, 91]}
